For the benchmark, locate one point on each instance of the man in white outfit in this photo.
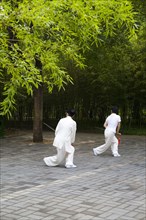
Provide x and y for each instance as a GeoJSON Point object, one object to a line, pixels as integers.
{"type": "Point", "coordinates": [112, 126]}
{"type": "Point", "coordinates": [65, 133]}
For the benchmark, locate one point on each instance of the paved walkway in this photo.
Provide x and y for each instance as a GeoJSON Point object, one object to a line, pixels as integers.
{"type": "Point", "coordinates": [101, 187]}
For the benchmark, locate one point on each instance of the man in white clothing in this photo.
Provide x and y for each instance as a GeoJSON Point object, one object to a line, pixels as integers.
{"type": "Point", "coordinates": [112, 126]}
{"type": "Point", "coordinates": [65, 133]}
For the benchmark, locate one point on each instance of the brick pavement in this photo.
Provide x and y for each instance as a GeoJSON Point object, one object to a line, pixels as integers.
{"type": "Point", "coordinates": [100, 188]}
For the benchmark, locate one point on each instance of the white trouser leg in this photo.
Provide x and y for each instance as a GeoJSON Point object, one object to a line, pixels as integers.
{"type": "Point", "coordinates": [57, 159]}
{"type": "Point", "coordinates": [108, 141]}
{"type": "Point", "coordinates": [70, 156]}
{"type": "Point", "coordinates": [114, 147]}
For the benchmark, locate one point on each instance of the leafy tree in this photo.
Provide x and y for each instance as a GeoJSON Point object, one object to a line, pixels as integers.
{"type": "Point", "coordinates": [37, 37]}
{"type": "Point", "coordinates": [115, 74]}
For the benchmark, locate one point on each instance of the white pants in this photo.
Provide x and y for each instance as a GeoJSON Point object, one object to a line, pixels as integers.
{"type": "Point", "coordinates": [61, 157]}
{"type": "Point", "coordinates": [110, 141]}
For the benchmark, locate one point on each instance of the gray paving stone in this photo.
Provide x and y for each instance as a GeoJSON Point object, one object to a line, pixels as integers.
{"type": "Point", "coordinates": [100, 188]}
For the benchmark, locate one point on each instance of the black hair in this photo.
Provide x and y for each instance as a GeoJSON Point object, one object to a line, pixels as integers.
{"type": "Point", "coordinates": [71, 112]}
{"type": "Point", "coordinates": [114, 109]}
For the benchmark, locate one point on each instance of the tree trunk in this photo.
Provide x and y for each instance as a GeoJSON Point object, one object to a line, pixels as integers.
{"type": "Point", "coordinates": [38, 114]}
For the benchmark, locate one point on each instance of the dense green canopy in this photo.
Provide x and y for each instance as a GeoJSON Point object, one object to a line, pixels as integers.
{"type": "Point", "coordinates": [97, 45]}
{"type": "Point", "coordinates": [49, 32]}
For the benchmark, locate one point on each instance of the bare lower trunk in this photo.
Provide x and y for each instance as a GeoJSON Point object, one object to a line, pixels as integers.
{"type": "Point", "coordinates": [38, 115]}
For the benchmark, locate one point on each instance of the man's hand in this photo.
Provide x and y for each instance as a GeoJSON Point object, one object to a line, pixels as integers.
{"type": "Point", "coordinates": [118, 135]}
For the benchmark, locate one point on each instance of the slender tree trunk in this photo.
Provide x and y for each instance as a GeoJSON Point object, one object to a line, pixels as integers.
{"type": "Point", "coordinates": [38, 114]}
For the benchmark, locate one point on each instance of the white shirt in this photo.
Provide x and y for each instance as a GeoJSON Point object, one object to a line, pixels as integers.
{"type": "Point", "coordinates": [65, 133]}
{"type": "Point", "coordinates": [112, 122]}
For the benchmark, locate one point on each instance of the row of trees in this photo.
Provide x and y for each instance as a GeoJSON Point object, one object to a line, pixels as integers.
{"type": "Point", "coordinates": [94, 50]}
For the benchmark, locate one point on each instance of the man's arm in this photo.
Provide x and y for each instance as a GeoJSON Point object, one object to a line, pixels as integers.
{"type": "Point", "coordinates": [118, 128]}
{"type": "Point", "coordinates": [105, 124]}
{"type": "Point", "coordinates": [57, 127]}
{"type": "Point", "coordinates": [74, 128]}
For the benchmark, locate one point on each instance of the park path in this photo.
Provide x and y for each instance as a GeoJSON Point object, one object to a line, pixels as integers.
{"type": "Point", "coordinates": [100, 188]}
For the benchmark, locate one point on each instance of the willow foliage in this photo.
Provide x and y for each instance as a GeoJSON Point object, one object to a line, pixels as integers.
{"type": "Point", "coordinates": [37, 37]}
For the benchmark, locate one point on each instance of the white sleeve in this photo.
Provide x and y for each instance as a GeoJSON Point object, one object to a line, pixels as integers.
{"type": "Point", "coordinates": [74, 128]}
{"type": "Point", "coordinates": [119, 119]}
{"type": "Point", "coordinates": [57, 128]}
{"type": "Point", "coordinates": [106, 120]}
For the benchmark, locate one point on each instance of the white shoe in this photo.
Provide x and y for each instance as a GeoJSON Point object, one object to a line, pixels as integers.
{"type": "Point", "coordinates": [117, 155]}
{"type": "Point", "coordinates": [95, 154]}
{"type": "Point", "coordinates": [70, 166]}
{"type": "Point", "coordinates": [45, 161]}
